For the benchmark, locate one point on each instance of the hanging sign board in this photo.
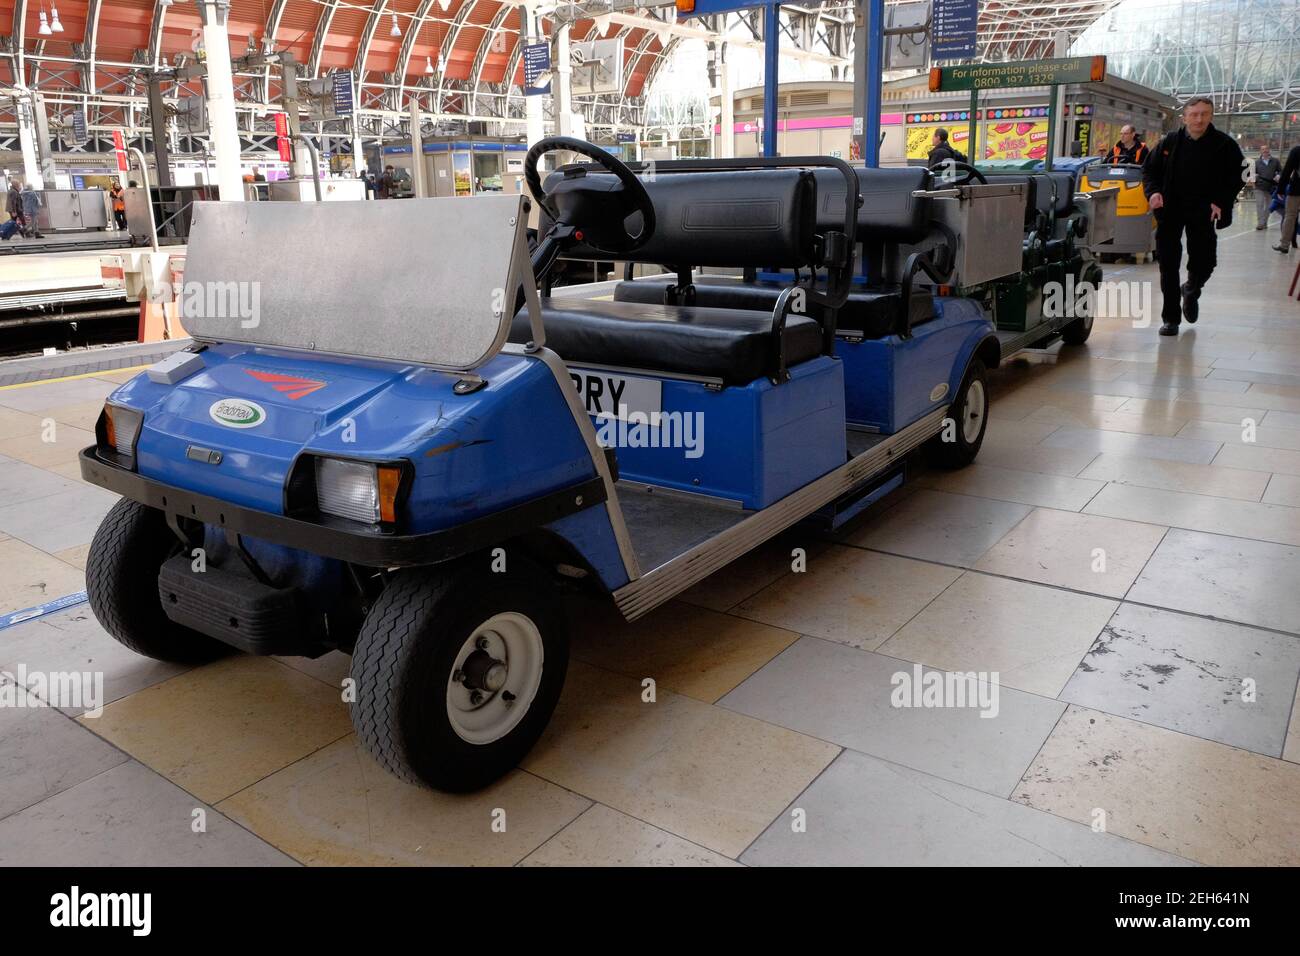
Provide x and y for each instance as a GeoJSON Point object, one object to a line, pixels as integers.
{"type": "Point", "coordinates": [537, 60]}
{"type": "Point", "coordinates": [952, 29]}
{"type": "Point", "coordinates": [282, 137]}
{"type": "Point", "coordinates": [1005, 76]}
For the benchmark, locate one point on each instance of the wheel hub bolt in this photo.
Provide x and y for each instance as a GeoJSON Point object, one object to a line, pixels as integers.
{"type": "Point", "coordinates": [475, 697]}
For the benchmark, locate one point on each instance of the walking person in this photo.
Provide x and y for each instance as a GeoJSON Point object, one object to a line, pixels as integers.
{"type": "Point", "coordinates": [1267, 172]}
{"type": "Point", "coordinates": [1191, 180]}
{"type": "Point", "coordinates": [32, 203]}
{"type": "Point", "coordinates": [1290, 181]}
{"type": "Point", "coordinates": [941, 151]}
{"type": "Point", "coordinates": [14, 205]}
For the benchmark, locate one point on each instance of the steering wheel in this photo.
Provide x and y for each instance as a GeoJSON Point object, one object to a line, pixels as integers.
{"type": "Point", "coordinates": [972, 174]}
{"type": "Point", "coordinates": [595, 212]}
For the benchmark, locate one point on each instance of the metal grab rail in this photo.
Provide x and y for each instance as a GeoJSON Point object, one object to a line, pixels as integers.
{"type": "Point", "coordinates": [148, 192]}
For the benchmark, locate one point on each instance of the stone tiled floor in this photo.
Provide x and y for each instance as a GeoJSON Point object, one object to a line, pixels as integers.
{"type": "Point", "coordinates": [1125, 555]}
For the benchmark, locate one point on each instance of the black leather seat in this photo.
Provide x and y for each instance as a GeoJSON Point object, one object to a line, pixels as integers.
{"type": "Point", "coordinates": [871, 313]}
{"type": "Point", "coordinates": [734, 345]}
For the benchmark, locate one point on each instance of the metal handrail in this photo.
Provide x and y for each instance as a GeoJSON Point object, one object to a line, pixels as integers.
{"type": "Point", "coordinates": [148, 192]}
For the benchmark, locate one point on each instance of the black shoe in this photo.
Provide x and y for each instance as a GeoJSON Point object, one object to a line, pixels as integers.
{"type": "Point", "coordinates": [1282, 249]}
{"type": "Point", "coordinates": [1191, 309]}
{"type": "Point", "coordinates": [1169, 328]}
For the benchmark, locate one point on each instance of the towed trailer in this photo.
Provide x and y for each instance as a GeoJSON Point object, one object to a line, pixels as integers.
{"type": "Point", "coordinates": [932, 245]}
{"type": "Point", "coordinates": [411, 473]}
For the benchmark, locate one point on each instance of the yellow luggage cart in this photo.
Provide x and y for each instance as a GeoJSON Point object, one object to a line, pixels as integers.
{"type": "Point", "coordinates": [1134, 225]}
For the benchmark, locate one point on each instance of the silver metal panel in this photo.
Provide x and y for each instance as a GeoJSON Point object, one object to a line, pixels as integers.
{"type": "Point", "coordinates": [1101, 208]}
{"type": "Point", "coordinates": [676, 575]}
{"type": "Point", "coordinates": [426, 281]}
{"type": "Point", "coordinates": [986, 220]}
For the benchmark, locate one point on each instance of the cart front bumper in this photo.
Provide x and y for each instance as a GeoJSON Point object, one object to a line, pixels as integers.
{"type": "Point", "coordinates": [338, 538]}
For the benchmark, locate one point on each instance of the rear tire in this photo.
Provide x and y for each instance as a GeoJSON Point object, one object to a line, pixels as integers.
{"type": "Point", "coordinates": [122, 569]}
{"type": "Point", "coordinates": [966, 422]}
{"type": "Point", "coordinates": [427, 708]}
{"type": "Point", "coordinates": [1077, 332]}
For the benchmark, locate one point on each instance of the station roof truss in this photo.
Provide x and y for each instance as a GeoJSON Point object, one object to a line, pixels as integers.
{"type": "Point", "coordinates": [460, 60]}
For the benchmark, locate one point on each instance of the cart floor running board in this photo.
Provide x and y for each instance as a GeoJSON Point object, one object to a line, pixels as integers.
{"type": "Point", "coordinates": [747, 530]}
{"type": "Point", "coordinates": [1013, 342]}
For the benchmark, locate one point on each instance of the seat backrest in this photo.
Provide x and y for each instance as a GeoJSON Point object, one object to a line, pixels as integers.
{"type": "Point", "coordinates": [749, 218]}
{"type": "Point", "coordinates": [1064, 180]}
{"type": "Point", "coordinates": [889, 212]}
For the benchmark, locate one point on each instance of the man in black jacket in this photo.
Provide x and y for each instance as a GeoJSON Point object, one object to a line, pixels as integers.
{"type": "Point", "coordinates": [942, 151]}
{"type": "Point", "coordinates": [1290, 181]}
{"type": "Point", "coordinates": [1191, 179]}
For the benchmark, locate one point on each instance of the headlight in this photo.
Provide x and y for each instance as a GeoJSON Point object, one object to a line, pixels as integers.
{"type": "Point", "coordinates": [121, 429]}
{"type": "Point", "coordinates": [360, 490]}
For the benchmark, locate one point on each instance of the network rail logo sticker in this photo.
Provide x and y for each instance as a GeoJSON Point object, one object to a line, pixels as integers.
{"type": "Point", "coordinates": [237, 413]}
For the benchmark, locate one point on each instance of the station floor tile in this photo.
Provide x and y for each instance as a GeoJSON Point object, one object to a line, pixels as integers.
{"type": "Point", "coordinates": [684, 649]}
{"type": "Point", "coordinates": [1007, 484]}
{"type": "Point", "coordinates": [29, 576]}
{"type": "Point", "coordinates": [1176, 509]}
{"type": "Point", "coordinates": [1117, 421]}
{"type": "Point", "coordinates": [337, 807]}
{"type": "Point", "coordinates": [605, 837]}
{"type": "Point", "coordinates": [1213, 480]}
{"type": "Point", "coordinates": [129, 816]}
{"type": "Point", "coordinates": [1233, 579]}
{"type": "Point", "coordinates": [1083, 552]}
{"type": "Point", "coordinates": [72, 641]}
{"type": "Point", "coordinates": [868, 702]}
{"type": "Point", "coordinates": [216, 729]}
{"type": "Point", "coordinates": [1031, 637]}
{"type": "Point", "coordinates": [1210, 679]}
{"type": "Point", "coordinates": [21, 483]}
{"type": "Point", "coordinates": [1185, 411]}
{"type": "Point", "coordinates": [1262, 434]}
{"type": "Point", "coordinates": [706, 773]}
{"type": "Point", "coordinates": [868, 812]}
{"type": "Point", "coordinates": [57, 445]}
{"type": "Point", "coordinates": [939, 527]}
{"type": "Point", "coordinates": [42, 751]}
{"type": "Point", "coordinates": [1191, 797]}
{"type": "Point", "coordinates": [1037, 458]}
{"type": "Point", "coordinates": [1282, 461]}
{"type": "Point", "coordinates": [851, 596]}
{"type": "Point", "coordinates": [41, 397]}
{"type": "Point", "coordinates": [1292, 750]}
{"type": "Point", "coordinates": [1125, 443]}
{"type": "Point", "coordinates": [749, 574]}
{"type": "Point", "coordinates": [58, 522]}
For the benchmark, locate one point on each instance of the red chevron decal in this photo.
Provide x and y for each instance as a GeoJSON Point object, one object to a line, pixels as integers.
{"type": "Point", "coordinates": [291, 385]}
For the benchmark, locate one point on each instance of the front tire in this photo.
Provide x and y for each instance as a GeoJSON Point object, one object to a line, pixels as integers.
{"type": "Point", "coordinates": [122, 569]}
{"type": "Point", "coordinates": [963, 430]}
{"type": "Point", "coordinates": [457, 672]}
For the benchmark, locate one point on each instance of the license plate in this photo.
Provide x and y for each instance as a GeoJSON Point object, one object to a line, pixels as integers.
{"type": "Point", "coordinates": [607, 395]}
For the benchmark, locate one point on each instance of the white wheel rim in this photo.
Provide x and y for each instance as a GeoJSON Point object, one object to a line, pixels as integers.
{"type": "Point", "coordinates": [972, 419]}
{"type": "Point", "coordinates": [483, 703]}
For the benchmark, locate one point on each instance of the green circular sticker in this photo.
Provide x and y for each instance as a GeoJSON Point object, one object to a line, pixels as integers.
{"type": "Point", "coordinates": [237, 413]}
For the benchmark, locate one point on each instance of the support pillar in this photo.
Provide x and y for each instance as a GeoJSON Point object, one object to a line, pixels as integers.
{"type": "Point", "coordinates": [727, 97]}
{"type": "Point", "coordinates": [418, 185]}
{"type": "Point", "coordinates": [25, 104]}
{"type": "Point", "coordinates": [222, 128]}
{"type": "Point", "coordinates": [562, 71]}
{"type": "Point", "coordinates": [535, 123]}
{"type": "Point", "coordinates": [868, 67]}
